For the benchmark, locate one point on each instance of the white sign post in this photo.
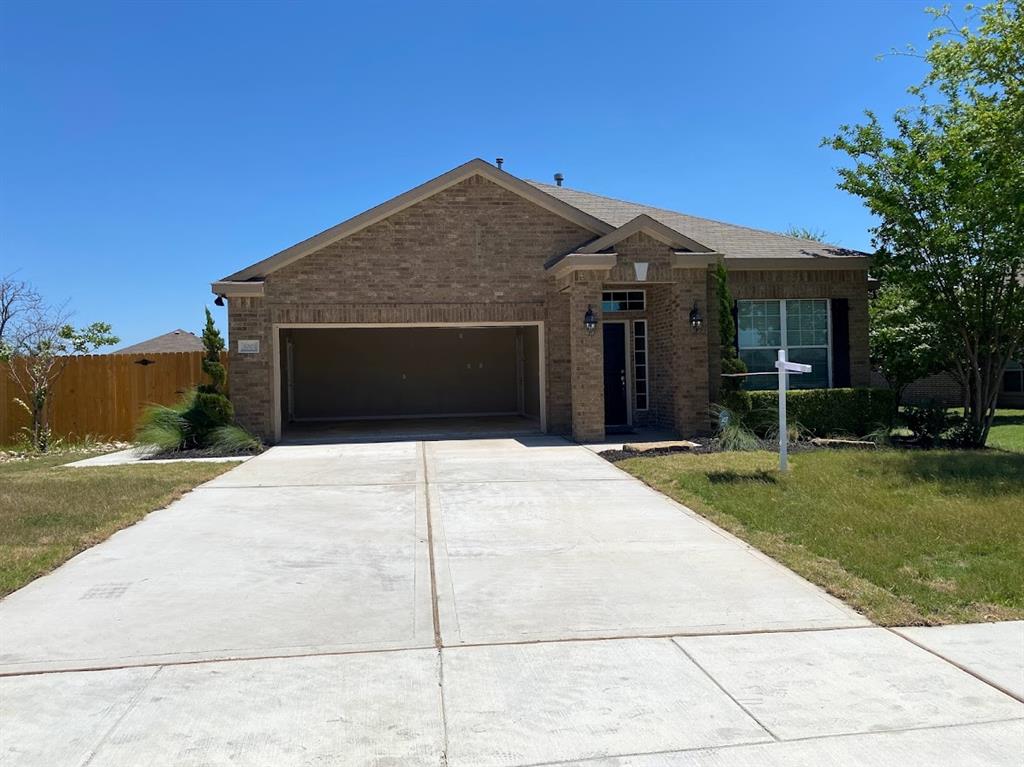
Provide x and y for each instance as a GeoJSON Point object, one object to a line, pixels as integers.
{"type": "Point", "coordinates": [785, 368]}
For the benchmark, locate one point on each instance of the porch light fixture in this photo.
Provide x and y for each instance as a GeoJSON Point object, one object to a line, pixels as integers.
{"type": "Point", "coordinates": [590, 320]}
{"type": "Point", "coordinates": [219, 300]}
{"type": "Point", "coordinates": [696, 321]}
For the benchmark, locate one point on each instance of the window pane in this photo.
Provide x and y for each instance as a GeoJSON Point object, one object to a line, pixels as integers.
{"type": "Point", "coordinates": [807, 322]}
{"type": "Point", "coordinates": [760, 324]}
{"type": "Point", "coordinates": [622, 300]}
{"type": "Point", "coordinates": [818, 360]}
{"type": "Point", "coordinates": [640, 364]}
{"type": "Point", "coordinates": [759, 360]}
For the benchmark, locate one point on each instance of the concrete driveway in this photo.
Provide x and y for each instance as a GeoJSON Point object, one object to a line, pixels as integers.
{"type": "Point", "coordinates": [478, 602]}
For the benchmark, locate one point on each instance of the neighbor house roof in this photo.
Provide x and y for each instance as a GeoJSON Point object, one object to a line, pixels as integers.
{"type": "Point", "coordinates": [731, 240]}
{"type": "Point", "coordinates": [176, 341]}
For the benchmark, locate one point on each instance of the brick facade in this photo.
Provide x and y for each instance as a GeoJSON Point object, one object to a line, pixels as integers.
{"type": "Point", "coordinates": [475, 253]}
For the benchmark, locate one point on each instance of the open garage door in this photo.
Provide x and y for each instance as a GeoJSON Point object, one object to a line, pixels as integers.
{"type": "Point", "coordinates": [391, 373]}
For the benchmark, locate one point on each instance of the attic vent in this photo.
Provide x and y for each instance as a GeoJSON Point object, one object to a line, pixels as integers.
{"type": "Point", "coordinates": [559, 178]}
{"type": "Point", "coordinates": [498, 161]}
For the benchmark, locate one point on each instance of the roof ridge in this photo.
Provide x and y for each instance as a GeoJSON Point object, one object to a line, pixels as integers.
{"type": "Point", "coordinates": [816, 243]}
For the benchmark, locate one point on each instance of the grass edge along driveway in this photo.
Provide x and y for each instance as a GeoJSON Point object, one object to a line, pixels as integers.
{"type": "Point", "coordinates": [49, 513]}
{"type": "Point", "coordinates": [905, 537]}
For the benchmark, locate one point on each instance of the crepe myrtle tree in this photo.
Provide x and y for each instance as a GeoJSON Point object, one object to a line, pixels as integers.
{"type": "Point", "coordinates": [905, 345]}
{"type": "Point", "coordinates": [946, 183]}
{"type": "Point", "coordinates": [36, 343]}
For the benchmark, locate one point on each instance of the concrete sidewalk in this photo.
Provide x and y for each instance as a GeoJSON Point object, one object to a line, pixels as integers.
{"type": "Point", "coordinates": [488, 602]}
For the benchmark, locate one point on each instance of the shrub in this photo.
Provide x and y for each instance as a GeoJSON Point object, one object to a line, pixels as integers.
{"type": "Point", "coordinates": [234, 439]}
{"type": "Point", "coordinates": [824, 412]}
{"type": "Point", "coordinates": [197, 420]}
{"type": "Point", "coordinates": [209, 411]}
{"type": "Point", "coordinates": [929, 423]}
{"type": "Point", "coordinates": [736, 402]}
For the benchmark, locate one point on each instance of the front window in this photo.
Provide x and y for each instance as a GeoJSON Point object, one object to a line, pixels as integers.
{"type": "Point", "coordinates": [622, 300]}
{"type": "Point", "coordinates": [799, 326]}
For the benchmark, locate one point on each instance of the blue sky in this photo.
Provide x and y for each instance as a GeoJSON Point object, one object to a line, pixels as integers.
{"type": "Point", "coordinates": [147, 149]}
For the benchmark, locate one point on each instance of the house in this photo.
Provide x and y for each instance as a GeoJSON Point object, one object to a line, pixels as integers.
{"type": "Point", "coordinates": [176, 341]}
{"type": "Point", "coordinates": [479, 293]}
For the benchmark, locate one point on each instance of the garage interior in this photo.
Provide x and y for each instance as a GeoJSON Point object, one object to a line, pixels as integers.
{"type": "Point", "coordinates": [366, 381]}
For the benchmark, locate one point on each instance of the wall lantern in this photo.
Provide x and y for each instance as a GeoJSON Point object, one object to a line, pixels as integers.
{"type": "Point", "coordinates": [219, 300]}
{"type": "Point", "coordinates": [590, 320]}
{"type": "Point", "coordinates": [696, 321]}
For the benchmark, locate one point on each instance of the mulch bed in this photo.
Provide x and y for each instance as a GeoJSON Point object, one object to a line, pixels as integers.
{"type": "Point", "coordinates": [184, 455]}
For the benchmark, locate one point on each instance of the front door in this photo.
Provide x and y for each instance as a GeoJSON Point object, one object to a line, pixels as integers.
{"type": "Point", "coordinates": [616, 407]}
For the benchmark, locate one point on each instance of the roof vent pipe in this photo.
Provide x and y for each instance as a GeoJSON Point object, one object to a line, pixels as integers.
{"type": "Point", "coordinates": [498, 161]}
{"type": "Point", "coordinates": [559, 178]}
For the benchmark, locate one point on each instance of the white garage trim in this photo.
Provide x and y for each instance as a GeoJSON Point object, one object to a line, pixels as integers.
{"type": "Point", "coordinates": [275, 343]}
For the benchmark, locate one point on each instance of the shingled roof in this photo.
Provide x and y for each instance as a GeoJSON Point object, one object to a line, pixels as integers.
{"type": "Point", "coordinates": [731, 240]}
{"type": "Point", "coordinates": [176, 341]}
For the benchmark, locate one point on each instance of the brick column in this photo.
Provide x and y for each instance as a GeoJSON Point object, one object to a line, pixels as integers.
{"type": "Point", "coordinates": [250, 377]}
{"type": "Point", "coordinates": [690, 368]}
{"type": "Point", "coordinates": [586, 358]}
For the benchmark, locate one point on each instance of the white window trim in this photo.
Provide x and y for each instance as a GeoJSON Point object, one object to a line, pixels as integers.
{"type": "Point", "coordinates": [647, 364]}
{"type": "Point", "coordinates": [784, 336]}
{"type": "Point", "coordinates": [641, 291]}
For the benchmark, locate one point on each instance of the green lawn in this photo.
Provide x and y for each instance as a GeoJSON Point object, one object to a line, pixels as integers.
{"type": "Point", "coordinates": [1007, 431]}
{"type": "Point", "coordinates": [906, 537]}
{"type": "Point", "coordinates": [49, 513]}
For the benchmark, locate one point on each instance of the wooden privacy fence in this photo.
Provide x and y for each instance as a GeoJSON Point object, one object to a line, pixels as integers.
{"type": "Point", "coordinates": [103, 395]}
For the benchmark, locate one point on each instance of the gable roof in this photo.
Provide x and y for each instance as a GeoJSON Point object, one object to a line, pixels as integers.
{"type": "Point", "coordinates": [176, 341]}
{"type": "Point", "coordinates": [475, 167]}
{"type": "Point", "coordinates": [653, 227]}
{"type": "Point", "coordinates": [731, 240]}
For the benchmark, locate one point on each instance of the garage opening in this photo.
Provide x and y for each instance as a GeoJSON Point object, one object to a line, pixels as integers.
{"type": "Point", "coordinates": [415, 379]}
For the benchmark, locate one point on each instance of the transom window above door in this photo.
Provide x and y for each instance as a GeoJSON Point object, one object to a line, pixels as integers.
{"type": "Point", "coordinates": [623, 300]}
{"type": "Point", "coordinates": [801, 327]}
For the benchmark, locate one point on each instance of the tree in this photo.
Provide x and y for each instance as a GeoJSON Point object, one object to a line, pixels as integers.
{"type": "Point", "coordinates": [731, 362]}
{"type": "Point", "coordinates": [948, 189]}
{"type": "Point", "coordinates": [37, 341]}
{"type": "Point", "coordinates": [17, 297]}
{"type": "Point", "coordinates": [804, 233]}
{"type": "Point", "coordinates": [213, 344]}
{"type": "Point", "coordinates": [905, 346]}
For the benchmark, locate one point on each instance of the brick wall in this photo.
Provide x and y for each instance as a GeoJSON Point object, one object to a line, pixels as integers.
{"type": "Point", "coordinates": [251, 375]}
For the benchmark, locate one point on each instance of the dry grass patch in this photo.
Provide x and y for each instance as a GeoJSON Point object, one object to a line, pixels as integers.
{"type": "Point", "coordinates": [49, 513]}
{"type": "Point", "coordinates": [906, 537]}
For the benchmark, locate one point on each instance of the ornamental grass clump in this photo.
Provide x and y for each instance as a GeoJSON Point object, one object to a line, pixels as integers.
{"type": "Point", "coordinates": [204, 418]}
